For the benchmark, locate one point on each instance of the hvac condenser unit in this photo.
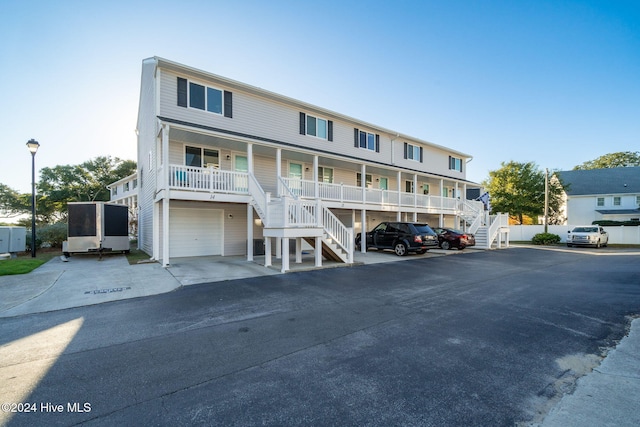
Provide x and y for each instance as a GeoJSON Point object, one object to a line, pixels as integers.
{"type": "Point", "coordinates": [12, 239]}
{"type": "Point", "coordinates": [97, 227]}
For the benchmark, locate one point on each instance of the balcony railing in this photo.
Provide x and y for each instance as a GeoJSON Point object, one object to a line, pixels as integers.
{"type": "Point", "coordinates": [208, 179]}
{"type": "Point", "coordinates": [222, 181]}
{"type": "Point", "coordinates": [351, 193]}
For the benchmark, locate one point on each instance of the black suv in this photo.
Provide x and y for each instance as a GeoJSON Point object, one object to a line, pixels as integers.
{"type": "Point", "coordinates": [402, 237]}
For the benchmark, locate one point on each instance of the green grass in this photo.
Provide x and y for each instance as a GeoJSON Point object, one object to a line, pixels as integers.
{"type": "Point", "coordinates": [24, 264]}
{"type": "Point", "coordinates": [136, 255]}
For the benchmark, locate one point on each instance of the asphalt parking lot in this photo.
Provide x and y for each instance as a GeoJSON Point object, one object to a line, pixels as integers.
{"type": "Point", "coordinates": [486, 338]}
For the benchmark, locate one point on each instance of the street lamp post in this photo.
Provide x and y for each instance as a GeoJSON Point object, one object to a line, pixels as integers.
{"type": "Point", "coordinates": [33, 145]}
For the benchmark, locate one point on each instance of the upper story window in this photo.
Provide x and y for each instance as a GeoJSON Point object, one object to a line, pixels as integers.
{"type": "Point", "coordinates": [638, 201]}
{"type": "Point", "coordinates": [455, 163]}
{"type": "Point", "coordinates": [126, 186]}
{"type": "Point", "coordinates": [201, 157]}
{"type": "Point", "coordinates": [616, 201]}
{"type": "Point", "coordinates": [413, 152]}
{"type": "Point", "coordinates": [366, 140]}
{"type": "Point", "coordinates": [205, 98]}
{"type": "Point", "coordinates": [600, 201]}
{"type": "Point", "coordinates": [135, 183]}
{"type": "Point", "coordinates": [316, 126]}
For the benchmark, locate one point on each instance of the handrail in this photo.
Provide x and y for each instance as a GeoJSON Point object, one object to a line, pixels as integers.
{"type": "Point", "coordinates": [207, 179]}
{"type": "Point", "coordinates": [261, 199]}
{"type": "Point", "coordinates": [341, 234]}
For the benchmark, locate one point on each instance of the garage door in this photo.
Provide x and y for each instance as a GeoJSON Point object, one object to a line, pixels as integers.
{"type": "Point", "coordinates": [195, 232]}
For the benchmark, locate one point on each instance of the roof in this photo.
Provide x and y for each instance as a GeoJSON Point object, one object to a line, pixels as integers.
{"type": "Point", "coordinates": [601, 181]}
{"type": "Point", "coordinates": [180, 68]}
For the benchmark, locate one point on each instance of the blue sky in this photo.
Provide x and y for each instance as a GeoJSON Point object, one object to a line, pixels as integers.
{"type": "Point", "coordinates": [555, 82]}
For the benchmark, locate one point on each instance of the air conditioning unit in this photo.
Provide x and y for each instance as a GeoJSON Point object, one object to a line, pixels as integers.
{"type": "Point", "coordinates": [12, 240]}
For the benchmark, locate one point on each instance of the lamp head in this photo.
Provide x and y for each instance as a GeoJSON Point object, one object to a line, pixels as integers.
{"type": "Point", "coordinates": [33, 145]}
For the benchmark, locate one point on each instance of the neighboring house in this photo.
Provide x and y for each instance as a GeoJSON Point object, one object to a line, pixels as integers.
{"type": "Point", "coordinates": [125, 192]}
{"type": "Point", "coordinates": [601, 194]}
{"type": "Point", "coordinates": [224, 166]}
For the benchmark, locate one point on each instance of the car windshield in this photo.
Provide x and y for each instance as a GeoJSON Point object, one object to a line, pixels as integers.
{"type": "Point", "coordinates": [423, 229]}
{"type": "Point", "coordinates": [585, 230]}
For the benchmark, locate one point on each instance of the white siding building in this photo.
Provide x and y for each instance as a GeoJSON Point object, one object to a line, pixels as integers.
{"type": "Point", "coordinates": [601, 194]}
{"type": "Point", "coordinates": [222, 163]}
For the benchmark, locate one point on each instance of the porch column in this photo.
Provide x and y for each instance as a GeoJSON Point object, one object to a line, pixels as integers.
{"type": "Point", "coordinates": [316, 186]}
{"type": "Point", "coordinates": [363, 231]}
{"type": "Point", "coordinates": [165, 232]}
{"type": "Point", "coordinates": [298, 250]}
{"type": "Point", "coordinates": [415, 197]}
{"type": "Point", "coordinates": [155, 230]}
{"type": "Point", "coordinates": [165, 157]}
{"type": "Point", "coordinates": [278, 170]}
{"type": "Point", "coordinates": [318, 251]}
{"type": "Point", "coordinates": [399, 186]}
{"type": "Point", "coordinates": [278, 248]}
{"type": "Point", "coordinates": [249, 232]}
{"type": "Point", "coordinates": [363, 181]}
{"type": "Point", "coordinates": [285, 255]}
{"type": "Point", "coordinates": [267, 251]}
{"type": "Point", "coordinates": [250, 157]}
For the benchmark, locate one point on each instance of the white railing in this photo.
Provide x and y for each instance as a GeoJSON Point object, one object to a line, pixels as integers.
{"type": "Point", "coordinates": [207, 179]}
{"type": "Point", "coordinates": [260, 198]}
{"type": "Point", "coordinates": [498, 222]}
{"type": "Point", "coordinates": [342, 235]}
{"type": "Point", "coordinates": [306, 189]}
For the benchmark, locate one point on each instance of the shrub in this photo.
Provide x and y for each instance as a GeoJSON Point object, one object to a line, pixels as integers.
{"type": "Point", "coordinates": [53, 234]}
{"type": "Point", "coordinates": [545, 239]}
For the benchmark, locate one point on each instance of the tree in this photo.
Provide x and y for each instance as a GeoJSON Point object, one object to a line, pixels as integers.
{"type": "Point", "coordinates": [518, 188]}
{"type": "Point", "coordinates": [612, 160]}
{"type": "Point", "coordinates": [61, 184]}
{"type": "Point", "coordinates": [12, 203]}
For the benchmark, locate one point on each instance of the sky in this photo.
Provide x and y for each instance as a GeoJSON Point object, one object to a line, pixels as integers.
{"type": "Point", "coordinates": [553, 82]}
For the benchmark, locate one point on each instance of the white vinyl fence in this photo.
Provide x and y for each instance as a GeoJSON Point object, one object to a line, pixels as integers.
{"type": "Point", "coordinates": [628, 235]}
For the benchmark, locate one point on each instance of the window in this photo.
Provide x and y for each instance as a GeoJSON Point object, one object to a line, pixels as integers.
{"type": "Point", "coordinates": [638, 201]}
{"type": "Point", "coordinates": [126, 186]}
{"type": "Point", "coordinates": [616, 201]}
{"type": "Point", "coordinates": [600, 201]}
{"type": "Point", "coordinates": [201, 157]}
{"type": "Point", "coordinates": [455, 164]}
{"type": "Point", "coordinates": [359, 180]}
{"type": "Point", "coordinates": [408, 186]}
{"type": "Point", "coordinates": [135, 183]}
{"type": "Point", "coordinates": [295, 171]}
{"type": "Point", "coordinates": [413, 152]}
{"type": "Point", "coordinates": [315, 126]}
{"type": "Point", "coordinates": [425, 189]}
{"type": "Point", "coordinates": [366, 140]}
{"type": "Point", "coordinates": [325, 175]}
{"type": "Point", "coordinates": [203, 97]}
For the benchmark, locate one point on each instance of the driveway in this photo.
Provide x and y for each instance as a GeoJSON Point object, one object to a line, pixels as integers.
{"type": "Point", "coordinates": [487, 338]}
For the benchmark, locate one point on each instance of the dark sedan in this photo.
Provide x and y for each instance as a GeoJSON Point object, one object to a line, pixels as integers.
{"type": "Point", "coordinates": [451, 238]}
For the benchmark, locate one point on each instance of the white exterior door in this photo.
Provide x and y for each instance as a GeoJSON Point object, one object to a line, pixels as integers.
{"type": "Point", "coordinates": [195, 232]}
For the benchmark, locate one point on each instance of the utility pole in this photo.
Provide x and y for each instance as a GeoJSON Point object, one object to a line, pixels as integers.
{"type": "Point", "coordinates": [546, 200]}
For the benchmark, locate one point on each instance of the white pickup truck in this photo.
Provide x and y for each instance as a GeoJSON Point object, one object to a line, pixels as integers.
{"type": "Point", "coordinates": [588, 235]}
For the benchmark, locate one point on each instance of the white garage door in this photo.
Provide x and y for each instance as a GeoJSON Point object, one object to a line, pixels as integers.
{"type": "Point", "coordinates": [195, 232]}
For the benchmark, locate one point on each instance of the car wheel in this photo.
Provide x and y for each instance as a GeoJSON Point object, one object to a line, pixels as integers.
{"type": "Point", "coordinates": [445, 245]}
{"type": "Point", "coordinates": [400, 249]}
